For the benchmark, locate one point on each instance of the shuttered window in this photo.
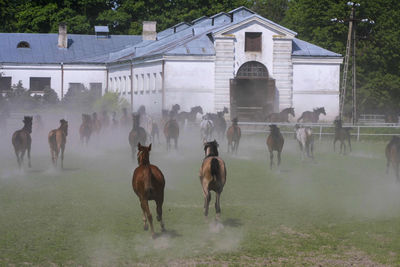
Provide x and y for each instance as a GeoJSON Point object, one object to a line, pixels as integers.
{"type": "Point", "coordinates": [253, 41]}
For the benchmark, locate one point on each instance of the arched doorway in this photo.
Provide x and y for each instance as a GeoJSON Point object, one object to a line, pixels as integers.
{"type": "Point", "coordinates": [252, 92]}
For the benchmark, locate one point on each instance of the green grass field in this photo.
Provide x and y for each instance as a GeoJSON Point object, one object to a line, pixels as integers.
{"type": "Point", "coordinates": [337, 211]}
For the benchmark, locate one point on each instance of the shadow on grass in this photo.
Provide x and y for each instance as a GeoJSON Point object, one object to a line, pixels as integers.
{"type": "Point", "coordinates": [168, 233]}
{"type": "Point", "coordinates": [232, 222]}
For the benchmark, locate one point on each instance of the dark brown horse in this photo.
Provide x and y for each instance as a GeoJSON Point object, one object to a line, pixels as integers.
{"type": "Point", "coordinates": [341, 134]}
{"type": "Point", "coordinates": [86, 128]}
{"type": "Point", "coordinates": [233, 135]}
{"type": "Point", "coordinates": [148, 183]}
{"type": "Point", "coordinates": [171, 131]}
{"type": "Point", "coordinates": [57, 140]}
{"type": "Point", "coordinates": [312, 116]}
{"type": "Point", "coordinates": [219, 121]}
{"type": "Point", "coordinates": [212, 176]}
{"type": "Point", "coordinates": [22, 141]}
{"type": "Point", "coordinates": [275, 142]}
{"type": "Point", "coordinates": [96, 123]}
{"type": "Point", "coordinates": [137, 134]}
{"type": "Point", "coordinates": [282, 116]}
{"type": "Point", "coordinates": [392, 152]}
{"type": "Point", "coordinates": [189, 116]}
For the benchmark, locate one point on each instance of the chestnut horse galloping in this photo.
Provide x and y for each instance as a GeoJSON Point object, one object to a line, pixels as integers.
{"type": "Point", "coordinates": [57, 140]}
{"type": "Point", "coordinates": [212, 176]}
{"type": "Point", "coordinates": [282, 116]}
{"type": "Point", "coordinates": [148, 183]}
{"type": "Point", "coordinates": [22, 141]}
{"type": "Point", "coordinates": [233, 135]}
{"type": "Point", "coordinates": [275, 142]}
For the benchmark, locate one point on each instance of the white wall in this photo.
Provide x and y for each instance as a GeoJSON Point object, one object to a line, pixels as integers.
{"type": "Point", "coordinates": [147, 84]}
{"type": "Point", "coordinates": [189, 83]}
{"type": "Point", "coordinates": [316, 85]}
{"type": "Point", "coordinates": [84, 74]}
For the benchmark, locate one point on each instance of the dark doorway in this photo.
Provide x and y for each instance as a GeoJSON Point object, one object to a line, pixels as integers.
{"type": "Point", "coordinates": [252, 92]}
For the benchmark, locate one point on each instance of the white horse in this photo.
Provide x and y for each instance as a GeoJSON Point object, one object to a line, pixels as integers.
{"type": "Point", "coordinates": [206, 128]}
{"type": "Point", "coordinates": [305, 138]}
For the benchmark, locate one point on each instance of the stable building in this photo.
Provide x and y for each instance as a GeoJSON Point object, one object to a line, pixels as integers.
{"type": "Point", "coordinates": [238, 60]}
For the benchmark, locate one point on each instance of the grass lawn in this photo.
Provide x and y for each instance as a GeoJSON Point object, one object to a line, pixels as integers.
{"type": "Point", "coordinates": [338, 210]}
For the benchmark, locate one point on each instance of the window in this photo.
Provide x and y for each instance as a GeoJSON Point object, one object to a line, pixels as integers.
{"type": "Point", "coordinates": [252, 42]}
{"type": "Point", "coordinates": [159, 82]}
{"type": "Point", "coordinates": [136, 84]}
{"type": "Point", "coordinates": [130, 85]}
{"type": "Point", "coordinates": [154, 83]}
{"type": "Point", "coordinates": [96, 89]}
{"type": "Point", "coordinates": [141, 84]}
{"type": "Point", "coordinates": [111, 85]}
{"type": "Point", "coordinates": [38, 84]}
{"type": "Point", "coordinates": [23, 44]}
{"type": "Point", "coordinates": [5, 83]}
{"type": "Point", "coordinates": [148, 83]}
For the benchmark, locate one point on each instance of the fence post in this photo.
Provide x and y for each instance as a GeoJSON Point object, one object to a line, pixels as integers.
{"type": "Point", "coordinates": [358, 133]}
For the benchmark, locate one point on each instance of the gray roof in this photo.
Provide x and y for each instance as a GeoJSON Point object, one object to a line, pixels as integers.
{"type": "Point", "coordinates": [180, 39]}
{"type": "Point", "coordinates": [303, 48]}
{"type": "Point", "coordinates": [44, 49]}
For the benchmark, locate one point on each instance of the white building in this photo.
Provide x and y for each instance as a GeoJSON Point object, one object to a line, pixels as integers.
{"type": "Point", "coordinates": [238, 60]}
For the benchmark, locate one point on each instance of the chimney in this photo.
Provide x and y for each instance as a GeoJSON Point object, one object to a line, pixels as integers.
{"type": "Point", "coordinates": [62, 35]}
{"type": "Point", "coordinates": [149, 30]}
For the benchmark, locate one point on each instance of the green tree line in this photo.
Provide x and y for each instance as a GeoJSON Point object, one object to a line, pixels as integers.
{"type": "Point", "coordinates": [378, 70]}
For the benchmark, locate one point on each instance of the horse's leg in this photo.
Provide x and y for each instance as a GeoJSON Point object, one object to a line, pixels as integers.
{"type": "Point", "coordinates": [145, 225]}
{"type": "Point", "coordinates": [217, 205]}
{"type": "Point", "coordinates": [176, 143]}
{"type": "Point", "coordinates": [159, 204]}
{"type": "Point", "coordinates": [271, 158]}
{"type": "Point", "coordinates": [18, 159]}
{"type": "Point", "coordinates": [207, 199]}
{"type": "Point", "coordinates": [145, 207]}
{"type": "Point", "coordinates": [348, 140]}
{"type": "Point", "coordinates": [21, 156]}
{"type": "Point", "coordinates": [279, 159]}
{"type": "Point", "coordinates": [62, 156]}
{"type": "Point", "coordinates": [29, 156]}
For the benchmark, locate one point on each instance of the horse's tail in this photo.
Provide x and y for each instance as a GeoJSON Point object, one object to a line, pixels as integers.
{"type": "Point", "coordinates": [215, 168]}
{"type": "Point", "coordinates": [148, 186]}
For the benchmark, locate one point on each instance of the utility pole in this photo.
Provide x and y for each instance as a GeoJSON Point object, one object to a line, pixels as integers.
{"type": "Point", "coordinates": [351, 40]}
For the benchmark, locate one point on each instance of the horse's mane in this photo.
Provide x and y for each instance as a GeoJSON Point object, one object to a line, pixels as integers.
{"type": "Point", "coordinates": [213, 148]}
{"type": "Point", "coordinates": [274, 130]}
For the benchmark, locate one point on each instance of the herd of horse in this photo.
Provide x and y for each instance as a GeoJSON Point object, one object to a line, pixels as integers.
{"type": "Point", "coordinates": [148, 180]}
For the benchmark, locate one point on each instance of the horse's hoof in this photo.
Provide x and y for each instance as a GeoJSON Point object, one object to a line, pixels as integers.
{"type": "Point", "coordinates": [146, 227]}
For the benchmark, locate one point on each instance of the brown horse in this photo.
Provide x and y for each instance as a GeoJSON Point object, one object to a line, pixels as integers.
{"type": "Point", "coordinates": [137, 134]}
{"type": "Point", "coordinates": [212, 176]}
{"type": "Point", "coordinates": [171, 131]}
{"type": "Point", "coordinates": [85, 130]}
{"type": "Point", "coordinates": [189, 116]}
{"type": "Point", "coordinates": [22, 141]}
{"type": "Point", "coordinates": [392, 152]}
{"type": "Point", "coordinates": [282, 116]}
{"type": "Point", "coordinates": [341, 134]}
{"type": "Point", "coordinates": [275, 142]}
{"type": "Point", "coordinates": [57, 140]}
{"type": "Point", "coordinates": [233, 135]}
{"type": "Point", "coordinates": [312, 116]}
{"type": "Point", "coordinates": [148, 183]}
{"type": "Point", "coordinates": [96, 123]}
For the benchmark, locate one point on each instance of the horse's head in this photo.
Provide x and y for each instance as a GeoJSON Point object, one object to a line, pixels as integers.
{"type": "Point", "coordinates": [235, 121]}
{"type": "Point", "coordinates": [321, 111]}
{"type": "Point", "coordinates": [143, 154]}
{"type": "Point", "coordinates": [142, 110]}
{"type": "Point", "coordinates": [176, 107]}
{"type": "Point", "coordinates": [211, 148]}
{"type": "Point", "coordinates": [197, 109]}
{"type": "Point", "coordinates": [64, 126]}
{"type": "Point", "coordinates": [225, 110]}
{"type": "Point", "coordinates": [28, 123]}
{"type": "Point", "coordinates": [338, 123]}
{"type": "Point", "coordinates": [291, 111]}
{"type": "Point", "coordinates": [274, 129]}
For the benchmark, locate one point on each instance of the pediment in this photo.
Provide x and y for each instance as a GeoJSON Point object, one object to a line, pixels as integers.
{"type": "Point", "coordinates": [255, 19]}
